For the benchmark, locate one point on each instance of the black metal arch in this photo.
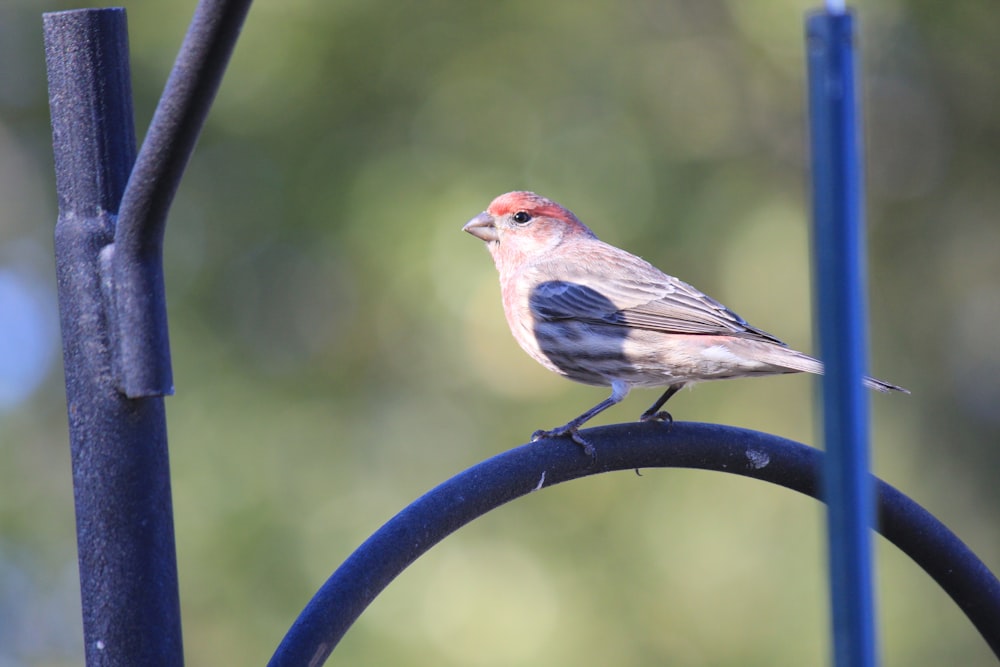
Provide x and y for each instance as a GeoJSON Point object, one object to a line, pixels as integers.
{"type": "Point", "coordinates": [520, 471]}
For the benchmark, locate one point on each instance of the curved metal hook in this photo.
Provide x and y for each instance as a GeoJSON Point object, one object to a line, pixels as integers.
{"type": "Point", "coordinates": [517, 472]}
{"type": "Point", "coordinates": [139, 313]}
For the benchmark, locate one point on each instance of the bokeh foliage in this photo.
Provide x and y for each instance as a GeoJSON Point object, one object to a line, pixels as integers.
{"type": "Point", "coordinates": [339, 346]}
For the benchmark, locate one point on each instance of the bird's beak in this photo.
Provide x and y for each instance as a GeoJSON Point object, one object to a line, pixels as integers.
{"type": "Point", "coordinates": [482, 227]}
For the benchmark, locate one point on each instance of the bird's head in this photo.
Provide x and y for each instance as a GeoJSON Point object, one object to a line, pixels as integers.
{"type": "Point", "coordinates": [521, 226]}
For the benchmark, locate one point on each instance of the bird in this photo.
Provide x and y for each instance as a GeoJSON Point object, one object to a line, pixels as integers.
{"type": "Point", "coordinates": [601, 316]}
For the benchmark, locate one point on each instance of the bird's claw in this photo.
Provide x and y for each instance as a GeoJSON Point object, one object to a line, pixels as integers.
{"type": "Point", "coordinates": [572, 432]}
{"type": "Point", "coordinates": [663, 416]}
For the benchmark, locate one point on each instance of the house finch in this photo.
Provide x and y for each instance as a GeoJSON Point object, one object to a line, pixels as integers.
{"type": "Point", "coordinates": [599, 315]}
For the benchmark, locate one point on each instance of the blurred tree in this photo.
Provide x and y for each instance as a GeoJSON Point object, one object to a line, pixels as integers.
{"type": "Point", "coordinates": [339, 345]}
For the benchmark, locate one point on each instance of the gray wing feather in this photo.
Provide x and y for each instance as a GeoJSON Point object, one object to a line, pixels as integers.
{"type": "Point", "coordinates": [597, 293]}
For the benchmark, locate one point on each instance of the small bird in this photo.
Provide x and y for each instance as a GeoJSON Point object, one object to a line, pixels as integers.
{"type": "Point", "coordinates": [600, 315]}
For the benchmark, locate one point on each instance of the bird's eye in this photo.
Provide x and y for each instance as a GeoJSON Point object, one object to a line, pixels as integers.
{"type": "Point", "coordinates": [521, 217]}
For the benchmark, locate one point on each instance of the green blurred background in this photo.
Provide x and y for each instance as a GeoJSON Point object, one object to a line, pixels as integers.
{"type": "Point", "coordinates": [339, 346]}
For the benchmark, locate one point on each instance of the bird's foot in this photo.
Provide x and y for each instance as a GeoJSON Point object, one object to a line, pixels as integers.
{"type": "Point", "coordinates": [570, 430]}
{"type": "Point", "coordinates": [662, 416]}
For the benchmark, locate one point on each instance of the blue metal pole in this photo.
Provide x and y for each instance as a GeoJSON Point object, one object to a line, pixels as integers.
{"type": "Point", "coordinates": [839, 251]}
{"type": "Point", "coordinates": [121, 471]}
{"type": "Point", "coordinates": [108, 242]}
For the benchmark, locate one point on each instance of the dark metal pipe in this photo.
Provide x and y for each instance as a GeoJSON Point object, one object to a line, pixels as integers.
{"type": "Point", "coordinates": [142, 347]}
{"type": "Point", "coordinates": [520, 471]}
{"type": "Point", "coordinates": [121, 481]}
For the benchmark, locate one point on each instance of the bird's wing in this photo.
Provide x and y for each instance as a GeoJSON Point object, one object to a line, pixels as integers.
{"type": "Point", "coordinates": [686, 310]}
{"type": "Point", "coordinates": [633, 293]}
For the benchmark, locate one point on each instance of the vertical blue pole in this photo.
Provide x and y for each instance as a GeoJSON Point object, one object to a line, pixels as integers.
{"type": "Point", "coordinates": [839, 259]}
{"type": "Point", "coordinates": [118, 445]}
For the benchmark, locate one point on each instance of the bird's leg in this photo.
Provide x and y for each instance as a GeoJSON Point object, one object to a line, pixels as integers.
{"type": "Point", "coordinates": [652, 414]}
{"type": "Point", "coordinates": [619, 390]}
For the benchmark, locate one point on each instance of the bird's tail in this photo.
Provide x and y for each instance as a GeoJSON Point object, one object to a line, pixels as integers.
{"type": "Point", "coordinates": [882, 385]}
{"type": "Point", "coordinates": [784, 357]}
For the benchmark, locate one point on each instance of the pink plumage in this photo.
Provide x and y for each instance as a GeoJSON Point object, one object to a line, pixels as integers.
{"type": "Point", "coordinates": [602, 316]}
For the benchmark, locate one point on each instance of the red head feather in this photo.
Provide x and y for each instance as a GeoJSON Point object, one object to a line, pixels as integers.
{"type": "Point", "coordinates": [535, 205]}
